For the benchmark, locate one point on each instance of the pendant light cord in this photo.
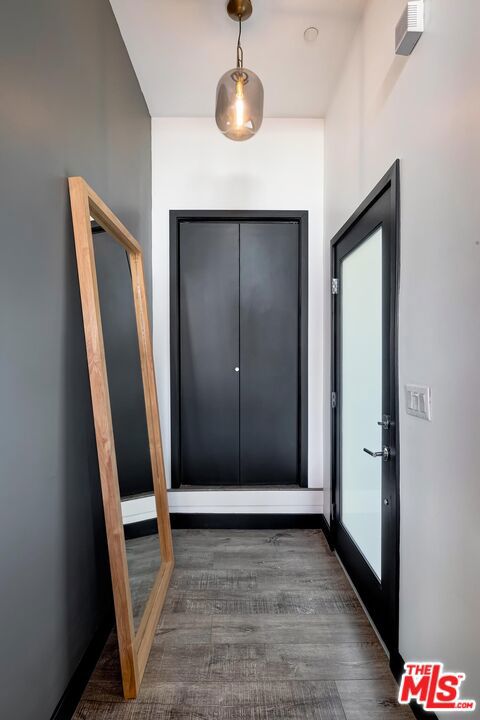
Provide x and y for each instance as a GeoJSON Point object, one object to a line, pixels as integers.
{"type": "Point", "coordinates": [239, 47]}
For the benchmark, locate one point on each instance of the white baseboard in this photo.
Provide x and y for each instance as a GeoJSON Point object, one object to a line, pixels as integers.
{"type": "Point", "coordinates": [281, 502]}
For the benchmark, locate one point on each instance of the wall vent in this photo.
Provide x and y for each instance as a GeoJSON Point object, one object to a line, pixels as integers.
{"type": "Point", "coordinates": [410, 27]}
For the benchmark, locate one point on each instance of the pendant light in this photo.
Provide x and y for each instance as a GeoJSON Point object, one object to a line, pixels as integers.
{"type": "Point", "coordinates": [239, 106]}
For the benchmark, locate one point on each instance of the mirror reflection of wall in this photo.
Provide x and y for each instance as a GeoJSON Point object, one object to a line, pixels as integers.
{"type": "Point", "coordinates": [128, 407]}
{"type": "Point", "coordinates": [123, 366]}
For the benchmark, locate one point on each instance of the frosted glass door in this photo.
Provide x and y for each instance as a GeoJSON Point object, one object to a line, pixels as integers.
{"type": "Point", "coordinates": [361, 397]}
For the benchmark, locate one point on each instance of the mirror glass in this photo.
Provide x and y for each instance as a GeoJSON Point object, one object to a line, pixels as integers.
{"type": "Point", "coordinates": [128, 412]}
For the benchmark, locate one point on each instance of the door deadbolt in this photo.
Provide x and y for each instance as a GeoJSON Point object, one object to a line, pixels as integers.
{"type": "Point", "coordinates": [386, 422]}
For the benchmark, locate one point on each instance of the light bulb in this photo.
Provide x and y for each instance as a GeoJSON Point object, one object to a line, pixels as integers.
{"type": "Point", "coordinates": [239, 104]}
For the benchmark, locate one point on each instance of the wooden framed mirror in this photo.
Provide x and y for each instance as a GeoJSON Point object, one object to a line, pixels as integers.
{"type": "Point", "coordinates": [136, 614]}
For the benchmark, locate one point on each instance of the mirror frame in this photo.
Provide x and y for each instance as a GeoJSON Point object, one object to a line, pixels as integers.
{"type": "Point", "coordinates": [134, 647]}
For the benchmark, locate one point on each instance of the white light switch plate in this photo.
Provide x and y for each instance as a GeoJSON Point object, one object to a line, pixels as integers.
{"type": "Point", "coordinates": [419, 401]}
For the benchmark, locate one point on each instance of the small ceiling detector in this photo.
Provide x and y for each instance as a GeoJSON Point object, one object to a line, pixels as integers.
{"type": "Point", "coordinates": [311, 34]}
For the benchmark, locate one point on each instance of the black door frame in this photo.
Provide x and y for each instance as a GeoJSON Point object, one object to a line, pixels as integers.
{"type": "Point", "coordinates": [299, 217]}
{"type": "Point", "coordinates": [390, 182]}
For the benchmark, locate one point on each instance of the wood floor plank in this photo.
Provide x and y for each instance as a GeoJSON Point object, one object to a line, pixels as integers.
{"type": "Point", "coordinates": [317, 579]}
{"type": "Point", "coordinates": [338, 628]}
{"type": "Point", "coordinates": [214, 580]}
{"type": "Point", "coordinates": [248, 662]}
{"type": "Point", "coordinates": [240, 539]}
{"type": "Point", "coordinates": [273, 561]}
{"type": "Point", "coordinates": [262, 603]}
{"type": "Point", "coordinates": [350, 661]}
{"type": "Point", "coordinates": [187, 629]}
{"type": "Point", "coordinates": [260, 579]}
{"type": "Point", "coordinates": [206, 663]}
{"type": "Point", "coordinates": [194, 560]}
{"type": "Point", "coordinates": [376, 699]}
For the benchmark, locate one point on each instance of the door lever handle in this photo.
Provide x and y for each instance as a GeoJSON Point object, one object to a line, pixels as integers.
{"type": "Point", "coordinates": [385, 453]}
{"type": "Point", "coordinates": [373, 454]}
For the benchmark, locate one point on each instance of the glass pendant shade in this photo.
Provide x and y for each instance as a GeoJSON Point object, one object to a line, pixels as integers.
{"type": "Point", "coordinates": [239, 106]}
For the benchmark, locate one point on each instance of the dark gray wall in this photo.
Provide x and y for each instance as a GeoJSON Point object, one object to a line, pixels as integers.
{"type": "Point", "coordinates": [70, 105]}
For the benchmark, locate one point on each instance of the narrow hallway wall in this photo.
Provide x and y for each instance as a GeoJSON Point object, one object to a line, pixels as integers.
{"type": "Point", "coordinates": [425, 110]}
{"type": "Point", "coordinates": [71, 105]}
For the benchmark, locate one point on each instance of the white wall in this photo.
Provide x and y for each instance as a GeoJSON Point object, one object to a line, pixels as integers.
{"type": "Point", "coordinates": [425, 109]}
{"type": "Point", "coordinates": [195, 167]}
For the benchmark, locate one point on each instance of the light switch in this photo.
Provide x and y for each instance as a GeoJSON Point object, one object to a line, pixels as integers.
{"type": "Point", "coordinates": [419, 401]}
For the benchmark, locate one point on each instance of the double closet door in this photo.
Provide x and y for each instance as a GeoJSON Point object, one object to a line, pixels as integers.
{"type": "Point", "coordinates": [238, 361]}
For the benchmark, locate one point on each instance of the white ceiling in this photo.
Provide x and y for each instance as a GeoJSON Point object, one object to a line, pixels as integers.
{"type": "Point", "coordinates": [180, 48]}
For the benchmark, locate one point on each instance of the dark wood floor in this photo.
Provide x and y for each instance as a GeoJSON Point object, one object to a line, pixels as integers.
{"type": "Point", "coordinates": [258, 625]}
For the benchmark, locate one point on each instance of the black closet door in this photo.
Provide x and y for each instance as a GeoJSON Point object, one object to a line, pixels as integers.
{"type": "Point", "coordinates": [209, 331]}
{"type": "Point", "coordinates": [269, 353]}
